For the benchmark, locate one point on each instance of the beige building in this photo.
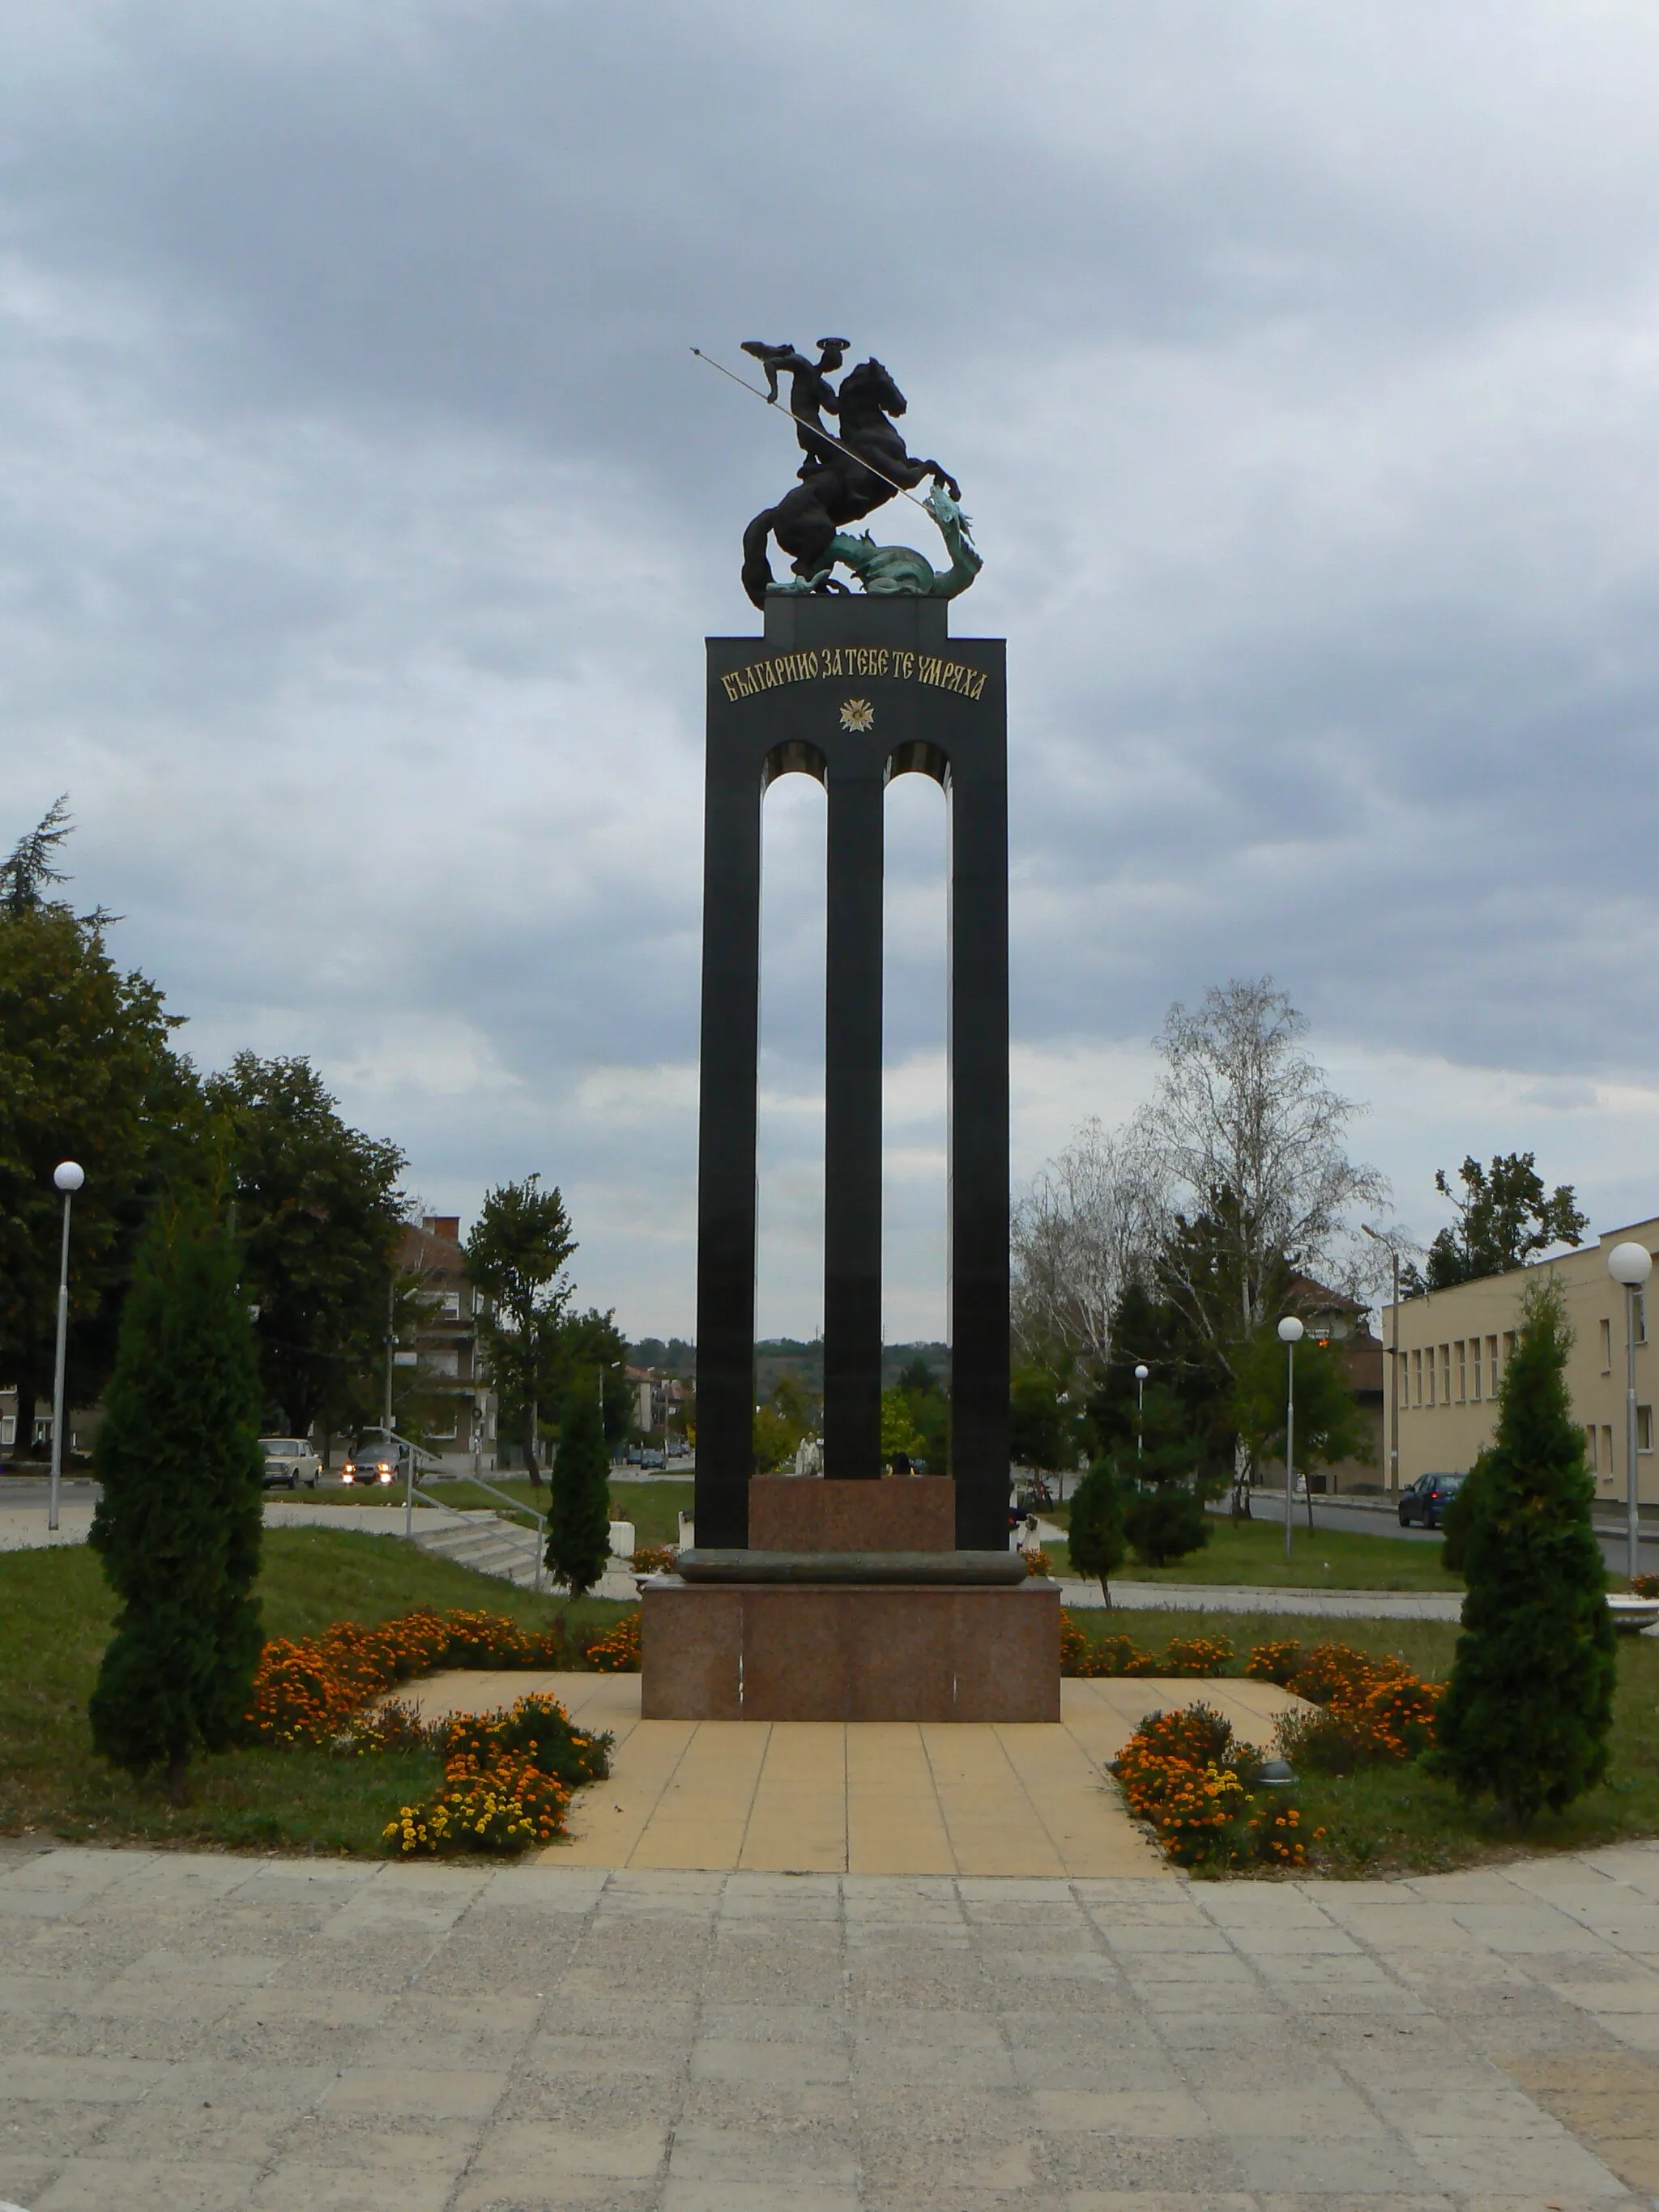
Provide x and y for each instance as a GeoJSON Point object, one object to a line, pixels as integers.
{"type": "Point", "coordinates": [1455, 1345]}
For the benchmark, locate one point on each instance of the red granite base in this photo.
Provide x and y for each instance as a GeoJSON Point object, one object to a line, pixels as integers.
{"type": "Point", "coordinates": [899, 1513]}
{"type": "Point", "coordinates": [858, 1653]}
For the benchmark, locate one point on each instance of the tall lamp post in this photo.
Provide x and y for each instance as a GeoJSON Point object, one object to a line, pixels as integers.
{"type": "Point", "coordinates": [1141, 1373]}
{"type": "Point", "coordinates": [1291, 1333]}
{"type": "Point", "coordinates": [1630, 1265]}
{"type": "Point", "coordinates": [1393, 1250]}
{"type": "Point", "coordinates": [69, 1175]}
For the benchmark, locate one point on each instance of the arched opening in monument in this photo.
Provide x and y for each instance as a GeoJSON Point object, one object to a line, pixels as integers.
{"type": "Point", "coordinates": [789, 1126]}
{"type": "Point", "coordinates": [915, 1083]}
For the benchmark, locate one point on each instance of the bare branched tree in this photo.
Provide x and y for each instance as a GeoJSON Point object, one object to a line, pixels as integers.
{"type": "Point", "coordinates": [1246, 1136]}
{"type": "Point", "coordinates": [1082, 1232]}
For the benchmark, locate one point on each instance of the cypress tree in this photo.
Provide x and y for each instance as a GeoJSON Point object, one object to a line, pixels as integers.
{"type": "Point", "coordinates": [1527, 1712]}
{"type": "Point", "coordinates": [1095, 1535]}
{"type": "Point", "coordinates": [179, 1524]}
{"type": "Point", "coordinates": [579, 1507]}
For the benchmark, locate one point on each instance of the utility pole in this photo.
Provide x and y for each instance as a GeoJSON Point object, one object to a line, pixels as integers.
{"type": "Point", "coordinates": [1393, 1359]}
{"type": "Point", "coordinates": [68, 1176]}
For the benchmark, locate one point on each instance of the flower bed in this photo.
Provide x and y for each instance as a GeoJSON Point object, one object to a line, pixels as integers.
{"type": "Point", "coordinates": [508, 1776]}
{"type": "Point", "coordinates": [307, 1691]}
{"type": "Point", "coordinates": [508, 1779]}
{"type": "Point", "coordinates": [1201, 1791]}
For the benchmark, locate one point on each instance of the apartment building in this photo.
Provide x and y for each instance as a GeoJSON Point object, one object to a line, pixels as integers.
{"type": "Point", "coordinates": [1455, 1345]}
{"type": "Point", "coordinates": [456, 1405]}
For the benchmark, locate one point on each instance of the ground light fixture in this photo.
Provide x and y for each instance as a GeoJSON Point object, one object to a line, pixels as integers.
{"type": "Point", "coordinates": [1291, 1333]}
{"type": "Point", "coordinates": [68, 1177]}
{"type": "Point", "coordinates": [1141, 1373]}
{"type": "Point", "coordinates": [1630, 1265]}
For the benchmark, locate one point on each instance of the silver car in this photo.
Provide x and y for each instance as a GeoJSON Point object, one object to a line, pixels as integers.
{"type": "Point", "coordinates": [290, 1461]}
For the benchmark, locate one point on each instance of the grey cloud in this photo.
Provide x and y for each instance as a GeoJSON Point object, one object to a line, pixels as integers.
{"type": "Point", "coordinates": [361, 510]}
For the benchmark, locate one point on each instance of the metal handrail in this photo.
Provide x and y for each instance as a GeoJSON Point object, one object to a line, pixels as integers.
{"type": "Point", "coordinates": [517, 1506]}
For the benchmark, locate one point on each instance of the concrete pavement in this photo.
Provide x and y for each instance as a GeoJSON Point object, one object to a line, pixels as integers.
{"type": "Point", "coordinates": [871, 1797]}
{"type": "Point", "coordinates": [199, 2033]}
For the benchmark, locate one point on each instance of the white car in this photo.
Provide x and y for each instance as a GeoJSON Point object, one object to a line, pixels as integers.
{"type": "Point", "coordinates": [290, 1461]}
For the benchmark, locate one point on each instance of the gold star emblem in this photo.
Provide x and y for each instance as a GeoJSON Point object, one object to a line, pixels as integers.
{"type": "Point", "coordinates": [857, 714]}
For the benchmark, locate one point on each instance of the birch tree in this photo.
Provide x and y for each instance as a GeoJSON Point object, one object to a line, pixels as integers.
{"type": "Point", "coordinates": [1083, 1231]}
{"type": "Point", "coordinates": [1247, 1141]}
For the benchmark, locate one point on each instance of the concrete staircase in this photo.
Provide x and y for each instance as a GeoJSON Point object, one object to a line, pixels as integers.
{"type": "Point", "coordinates": [490, 1544]}
{"type": "Point", "coordinates": [483, 1541]}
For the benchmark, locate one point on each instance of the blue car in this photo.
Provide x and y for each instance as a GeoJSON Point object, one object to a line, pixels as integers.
{"type": "Point", "coordinates": [1423, 1504]}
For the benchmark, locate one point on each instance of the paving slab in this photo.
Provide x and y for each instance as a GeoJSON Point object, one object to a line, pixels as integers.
{"type": "Point", "coordinates": [1014, 1800]}
{"type": "Point", "coordinates": [516, 2038]}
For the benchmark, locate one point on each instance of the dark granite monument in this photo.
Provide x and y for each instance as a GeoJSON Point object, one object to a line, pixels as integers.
{"type": "Point", "coordinates": [856, 1596]}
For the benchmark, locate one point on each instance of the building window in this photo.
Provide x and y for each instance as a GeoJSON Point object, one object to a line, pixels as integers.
{"type": "Point", "coordinates": [1474, 1364]}
{"type": "Point", "coordinates": [1428, 1376]}
{"type": "Point", "coordinates": [449, 1305]}
{"type": "Point", "coordinates": [1644, 1428]}
{"type": "Point", "coordinates": [1491, 1366]}
{"type": "Point", "coordinates": [438, 1433]}
{"type": "Point", "coordinates": [1589, 1448]}
{"type": "Point", "coordinates": [1606, 1450]}
{"type": "Point", "coordinates": [1607, 1347]}
{"type": "Point", "coordinates": [1445, 1375]}
{"type": "Point", "coordinates": [7, 1430]}
{"type": "Point", "coordinates": [1462, 1372]}
{"type": "Point", "coordinates": [1508, 1347]}
{"type": "Point", "coordinates": [1641, 1317]}
{"type": "Point", "coordinates": [42, 1431]}
{"type": "Point", "coordinates": [441, 1360]}
{"type": "Point", "coordinates": [1415, 1392]}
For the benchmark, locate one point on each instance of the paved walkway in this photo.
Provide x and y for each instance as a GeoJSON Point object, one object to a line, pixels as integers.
{"type": "Point", "coordinates": [1320, 1604]}
{"type": "Point", "coordinates": [874, 1797]}
{"type": "Point", "coordinates": [185, 2033]}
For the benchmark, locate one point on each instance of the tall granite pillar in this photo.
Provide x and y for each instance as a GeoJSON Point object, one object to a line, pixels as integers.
{"type": "Point", "coordinates": [854, 691]}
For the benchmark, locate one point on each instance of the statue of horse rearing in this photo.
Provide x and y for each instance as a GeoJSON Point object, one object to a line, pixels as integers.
{"type": "Point", "coordinates": [850, 484]}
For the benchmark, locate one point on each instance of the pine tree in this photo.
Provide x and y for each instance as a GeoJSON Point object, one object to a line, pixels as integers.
{"type": "Point", "coordinates": [1095, 1535]}
{"type": "Point", "coordinates": [1527, 1712]}
{"type": "Point", "coordinates": [179, 1524]}
{"type": "Point", "coordinates": [579, 1509]}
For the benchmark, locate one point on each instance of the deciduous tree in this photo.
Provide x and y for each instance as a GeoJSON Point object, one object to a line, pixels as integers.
{"type": "Point", "coordinates": [1329, 1427]}
{"type": "Point", "coordinates": [517, 1251]}
{"type": "Point", "coordinates": [318, 1215]}
{"type": "Point", "coordinates": [86, 1072]}
{"type": "Point", "coordinates": [1505, 1218]}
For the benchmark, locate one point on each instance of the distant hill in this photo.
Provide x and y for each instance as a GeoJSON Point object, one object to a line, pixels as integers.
{"type": "Point", "coordinates": [786, 1355]}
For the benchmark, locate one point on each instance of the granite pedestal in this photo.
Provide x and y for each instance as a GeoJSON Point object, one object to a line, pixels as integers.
{"type": "Point", "coordinates": [900, 1513]}
{"type": "Point", "coordinates": [763, 1652]}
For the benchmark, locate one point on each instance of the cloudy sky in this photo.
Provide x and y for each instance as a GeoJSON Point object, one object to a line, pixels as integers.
{"type": "Point", "coordinates": [362, 510]}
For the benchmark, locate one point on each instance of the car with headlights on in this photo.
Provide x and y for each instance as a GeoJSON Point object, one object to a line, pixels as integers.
{"type": "Point", "coordinates": [374, 1462]}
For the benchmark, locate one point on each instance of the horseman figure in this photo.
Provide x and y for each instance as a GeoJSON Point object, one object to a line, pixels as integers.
{"type": "Point", "coordinates": [846, 475]}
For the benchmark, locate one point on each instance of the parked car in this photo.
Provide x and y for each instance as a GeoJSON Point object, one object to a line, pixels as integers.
{"type": "Point", "coordinates": [1422, 1502]}
{"type": "Point", "coordinates": [290, 1461]}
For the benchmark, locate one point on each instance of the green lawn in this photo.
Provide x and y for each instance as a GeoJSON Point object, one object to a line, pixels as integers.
{"type": "Point", "coordinates": [1252, 1553]}
{"type": "Point", "coordinates": [55, 1618]}
{"type": "Point", "coordinates": [1396, 1820]}
{"type": "Point", "coordinates": [653, 1507]}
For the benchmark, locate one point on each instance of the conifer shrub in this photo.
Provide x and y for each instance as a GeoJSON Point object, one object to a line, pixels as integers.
{"type": "Point", "coordinates": [178, 1522]}
{"type": "Point", "coordinates": [1526, 1715]}
{"type": "Point", "coordinates": [579, 1509]}
{"type": "Point", "coordinates": [1095, 1535]}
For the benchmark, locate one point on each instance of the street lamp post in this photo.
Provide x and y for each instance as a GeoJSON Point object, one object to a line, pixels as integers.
{"type": "Point", "coordinates": [1630, 1265]}
{"type": "Point", "coordinates": [1291, 1333]}
{"type": "Point", "coordinates": [1141, 1373]}
{"type": "Point", "coordinates": [1393, 1249]}
{"type": "Point", "coordinates": [68, 1176]}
